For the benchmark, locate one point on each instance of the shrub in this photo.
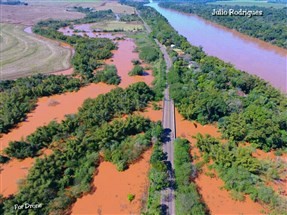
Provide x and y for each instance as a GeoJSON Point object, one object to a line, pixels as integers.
{"type": "Point", "coordinates": [4, 159]}
{"type": "Point", "coordinates": [136, 62]}
{"type": "Point", "coordinates": [137, 70]}
{"type": "Point", "coordinates": [149, 54]}
{"type": "Point", "coordinates": [108, 75]}
{"type": "Point", "coordinates": [131, 197]}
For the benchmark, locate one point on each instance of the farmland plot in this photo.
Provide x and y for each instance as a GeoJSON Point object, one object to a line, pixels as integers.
{"type": "Point", "coordinates": [23, 54]}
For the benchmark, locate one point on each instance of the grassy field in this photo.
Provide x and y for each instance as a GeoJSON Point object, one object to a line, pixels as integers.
{"type": "Point", "coordinates": [23, 54]}
{"type": "Point", "coordinates": [116, 7]}
{"type": "Point", "coordinates": [249, 3]}
{"type": "Point", "coordinates": [31, 14]}
{"type": "Point", "coordinates": [55, 9]}
{"type": "Point", "coordinates": [117, 25]}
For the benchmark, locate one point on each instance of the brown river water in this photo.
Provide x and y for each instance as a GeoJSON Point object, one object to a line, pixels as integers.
{"type": "Point", "coordinates": [111, 186]}
{"type": "Point", "coordinates": [245, 53]}
{"type": "Point", "coordinates": [134, 180]}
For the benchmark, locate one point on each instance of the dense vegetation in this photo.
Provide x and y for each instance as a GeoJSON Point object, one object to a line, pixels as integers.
{"type": "Point", "coordinates": [76, 143]}
{"type": "Point", "coordinates": [137, 70]}
{"type": "Point", "coordinates": [3, 159]}
{"type": "Point", "coordinates": [88, 51]}
{"type": "Point", "coordinates": [108, 75]}
{"type": "Point", "coordinates": [18, 97]}
{"type": "Point", "coordinates": [271, 27]}
{"type": "Point", "coordinates": [149, 54]}
{"type": "Point", "coordinates": [242, 173]}
{"type": "Point", "coordinates": [158, 176]}
{"type": "Point", "coordinates": [92, 113]}
{"type": "Point", "coordinates": [129, 18]}
{"type": "Point", "coordinates": [246, 107]}
{"type": "Point", "coordinates": [145, 43]}
{"type": "Point", "coordinates": [188, 200]}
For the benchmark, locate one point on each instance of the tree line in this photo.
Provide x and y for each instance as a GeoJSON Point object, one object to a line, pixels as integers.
{"type": "Point", "coordinates": [18, 97]}
{"type": "Point", "coordinates": [59, 179]}
{"type": "Point", "coordinates": [88, 51]}
{"type": "Point", "coordinates": [246, 108]}
{"type": "Point", "coordinates": [149, 53]}
{"type": "Point", "coordinates": [93, 112]}
{"type": "Point", "coordinates": [188, 200]}
{"type": "Point", "coordinates": [242, 173]}
{"type": "Point", "coordinates": [270, 27]}
{"type": "Point", "coordinates": [158, 174]}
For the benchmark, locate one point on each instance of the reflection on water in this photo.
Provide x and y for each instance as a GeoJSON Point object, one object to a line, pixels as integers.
{"type": "Point", "coordinates": [246, 53]}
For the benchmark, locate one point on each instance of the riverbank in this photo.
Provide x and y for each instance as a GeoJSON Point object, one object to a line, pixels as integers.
{"type": "Point", "coordinates": [245, 53]}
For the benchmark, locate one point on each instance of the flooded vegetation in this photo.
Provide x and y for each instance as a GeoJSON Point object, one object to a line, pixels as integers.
{"type": "Point", "coordinates": [56, 107]}
{"type": "Point", "coordinates": [91, 138]}
{"type": "Point", "coordinates": [111, 189]}
{"type": "Point", "coordinates": [218, 200]}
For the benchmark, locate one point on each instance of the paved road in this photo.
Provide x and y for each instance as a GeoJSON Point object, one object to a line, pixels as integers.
{"type": "Point", "coordinates": [168, 122]}
{"type": "Point", "coordinates": [168, 197]}
{"type": "Point", "coordinates": [162, 48]}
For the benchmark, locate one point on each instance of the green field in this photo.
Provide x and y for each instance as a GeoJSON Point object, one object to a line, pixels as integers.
{"type": "Point", "coordinates": [249, 3]}
{"type": "Point", "coordinates": [117, 25]}
{"type": "Point", "coordinates": [24, 54]}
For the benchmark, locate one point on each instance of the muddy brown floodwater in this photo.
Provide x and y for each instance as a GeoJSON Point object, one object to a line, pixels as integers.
{"type": "Point", "coordinates": [85, 30]}
{"type": "Point", "coordinates": [251, 55]}
{"type": "Point", "coordinates": [67, 103]}
{"type": "Point", "coordinates": [217, 200]}
{"type": "Point", "coordinates": [133, 181]}
{"type": "Point", "coordinates": [123, 60]}
{"type": "Point", "coordinates": [44, 113]}
{"type": "Point", "coordinates": [14, 172]}
{"type": "Point", "coordinates": [112, 188]}
{"type": "Point", "coordinates": [122, 57]}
